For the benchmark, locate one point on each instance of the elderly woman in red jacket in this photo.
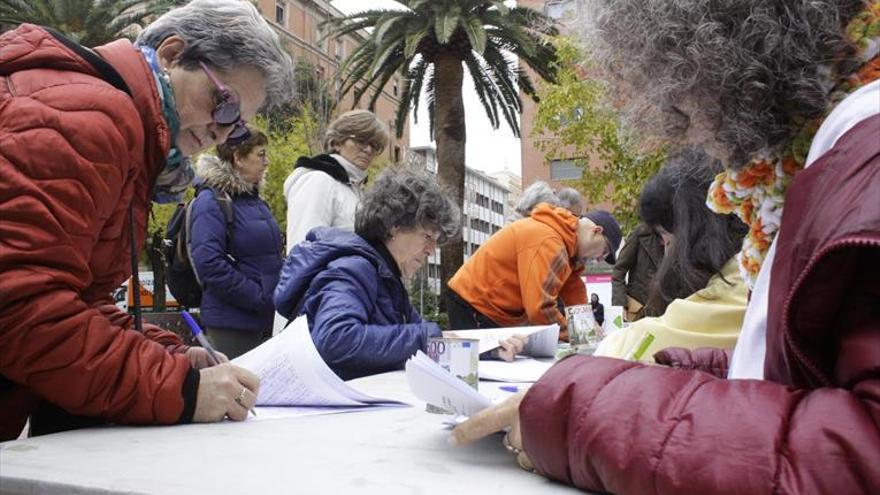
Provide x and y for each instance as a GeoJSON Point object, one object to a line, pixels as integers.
{"type": "Point", "coordinates": [87, 139]}
{"type": "Point", "coordinates": [786, 95]}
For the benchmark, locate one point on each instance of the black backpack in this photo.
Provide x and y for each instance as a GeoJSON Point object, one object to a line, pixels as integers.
{"type": "Point", "coordinates": [182, 279]}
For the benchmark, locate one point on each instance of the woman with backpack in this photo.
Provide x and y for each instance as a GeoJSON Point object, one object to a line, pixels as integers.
{"type": "Point", "coordinates": [237, 260]}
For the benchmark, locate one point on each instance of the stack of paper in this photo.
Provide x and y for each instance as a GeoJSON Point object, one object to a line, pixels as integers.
{"type": "Point", "coordinates": [520, 370]}
{"type": "Point", "coordinates": [434, 385]}
{"type": "Point", "coordinates": [292, 373]}
{"type": "Point", "coordinates": [542, 338]}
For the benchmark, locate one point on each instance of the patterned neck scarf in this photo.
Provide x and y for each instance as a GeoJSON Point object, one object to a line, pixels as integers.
{"type": "Point", "coordinates": [178, 173]}
{"type": "Point", "coordinates": [756, 192]}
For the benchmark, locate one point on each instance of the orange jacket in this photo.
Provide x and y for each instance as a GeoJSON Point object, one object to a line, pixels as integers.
{"type": "Point", "coordinates": [521, 271]}
{"type": "Point", "coordinates": [74, 154]}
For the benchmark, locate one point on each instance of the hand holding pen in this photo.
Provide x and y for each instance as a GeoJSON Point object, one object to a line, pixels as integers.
{"type": "Point", "coordinates": [224, 389]}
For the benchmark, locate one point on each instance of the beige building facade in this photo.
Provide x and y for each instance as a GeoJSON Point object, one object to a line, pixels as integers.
{"type": "Point", "coordinates": [298, 23]}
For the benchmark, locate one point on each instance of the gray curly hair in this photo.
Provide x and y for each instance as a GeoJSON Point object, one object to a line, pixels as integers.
{"type": "Point", "coordinates": [571, 200]}
{"type": "Point", "coordinates": [403, 198]}
{"type": "Point", "coordinates": [740, 72]}
{"type": "Point", "coordinates": [538, 192]}
{"type": "Point", "coordinates": [226, 34]}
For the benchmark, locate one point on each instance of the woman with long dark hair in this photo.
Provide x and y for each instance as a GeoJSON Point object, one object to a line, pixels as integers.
{"type": "Point", "coordinates": [697, 297]}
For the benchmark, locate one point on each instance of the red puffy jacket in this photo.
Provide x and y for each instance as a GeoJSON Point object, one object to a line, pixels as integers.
{"type": "Point", "coordinates": [812, 427]}
{"type": "Point", "coordinates": [75, 152]}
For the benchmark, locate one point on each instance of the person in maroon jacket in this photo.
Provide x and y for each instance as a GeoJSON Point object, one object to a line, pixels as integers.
{"type": "Point", "coordinates": [786, 95]}
{"type": "Point", "coordinates": [88, 137]}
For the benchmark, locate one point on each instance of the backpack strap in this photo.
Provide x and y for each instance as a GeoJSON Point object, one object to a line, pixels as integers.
{"type": "Point", "coordinates": [107, 72]}
{"type": "Point", "coordinates": [111, 76]}
{"type": "Point", "coordinates": [225, 203]}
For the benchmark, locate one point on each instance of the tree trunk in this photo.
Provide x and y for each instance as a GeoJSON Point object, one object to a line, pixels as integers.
{"type": "Point", "coordinates": [449, 132]}
{"type": "Point", "coordinates": [155, 250]}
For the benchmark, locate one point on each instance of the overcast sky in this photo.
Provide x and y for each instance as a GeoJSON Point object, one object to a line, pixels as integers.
{"type": "Point", "coordinates": [488, 149]}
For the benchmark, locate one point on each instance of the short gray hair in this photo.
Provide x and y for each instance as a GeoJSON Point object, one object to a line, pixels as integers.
{"type": "Point", "coordinates": [403, 198]}
{"type": "Point", "coordinates": [363, 125]}
{"type": "Point", "coordinates": [571, 200]}
{"type": "Point", "coordinates": [227, 34]}
{"type": "Point", "coordinates": [744, 72]}
{"type": "Point", "coordinates": [538, 192]}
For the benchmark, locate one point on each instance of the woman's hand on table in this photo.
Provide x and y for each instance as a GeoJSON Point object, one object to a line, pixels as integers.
{"type": "Point", "coordinates": [503, 416]}
{"type": "Point", "coordinates": [225, 390]}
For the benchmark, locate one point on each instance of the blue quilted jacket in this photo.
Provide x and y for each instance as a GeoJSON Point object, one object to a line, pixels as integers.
{"type": "Point", "coordinates": [236, 294]}
{"type": "Point", "coordinates": [358, 310]}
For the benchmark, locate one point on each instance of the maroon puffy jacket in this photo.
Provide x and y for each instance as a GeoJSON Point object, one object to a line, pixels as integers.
{"type": "Point", "coordinates": [812, 427]}
{"type": "Point", "coordinates": [75, 152]}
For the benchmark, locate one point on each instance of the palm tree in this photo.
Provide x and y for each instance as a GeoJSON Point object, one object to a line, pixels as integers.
{"type": "Point", "coordinates": [88, 22]}
{"type": "Point", "coordinates": [429, 44]}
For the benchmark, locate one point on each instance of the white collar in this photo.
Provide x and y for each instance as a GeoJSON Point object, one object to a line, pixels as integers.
{"type": "Point", "coordinates": [355, 174]}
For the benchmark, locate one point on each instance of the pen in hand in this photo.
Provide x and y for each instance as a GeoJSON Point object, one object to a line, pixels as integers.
{"type": "Point", "coordinates": [200, 338]}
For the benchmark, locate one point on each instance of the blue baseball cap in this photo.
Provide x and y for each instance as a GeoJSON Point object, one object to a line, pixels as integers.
{"type": "Point", "coordinates": [610, 229]}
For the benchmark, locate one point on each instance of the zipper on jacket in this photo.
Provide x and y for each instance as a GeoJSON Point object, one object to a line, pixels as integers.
{"type": "Point", "coordinates": [814, 260]}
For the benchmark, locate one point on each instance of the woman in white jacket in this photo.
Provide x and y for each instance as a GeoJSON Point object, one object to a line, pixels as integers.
{"type": "Point", "coordinates": [325, 190]}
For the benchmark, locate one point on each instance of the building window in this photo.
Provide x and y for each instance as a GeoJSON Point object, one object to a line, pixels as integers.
{"type": "Point", "coordinates": [395, 87]}
{"type": "Point", "coordinates": [498, 207]}
{"type": "Point", "coordinates": [340, 49]}
{"type": "Point", "coordinates": [560, 9]}
{"type": "Point", "coordinates": [396, 154]}
{"type": "Point", "coordinates": [279, 13]}
{"type": "Point", "coordinates": [565, 169]}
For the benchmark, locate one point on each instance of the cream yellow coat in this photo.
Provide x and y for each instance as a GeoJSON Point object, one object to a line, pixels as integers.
{"type": "Point", "coordinates": [711, 317]}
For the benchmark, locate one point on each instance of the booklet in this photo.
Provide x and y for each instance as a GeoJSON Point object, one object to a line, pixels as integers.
{"type": "Point", "coordinates": [436, 386]}
{"type": "Point", "coordinates": [292, 373]}
{"type": "Point", "coordinates": [543, 339]}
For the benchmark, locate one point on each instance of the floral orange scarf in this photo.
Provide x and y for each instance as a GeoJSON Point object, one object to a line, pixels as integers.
{"type": "Point", "coordinates": [756, 192]}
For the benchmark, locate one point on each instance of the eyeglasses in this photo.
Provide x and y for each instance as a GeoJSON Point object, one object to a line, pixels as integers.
{"type": "Point", "coordinates": [375, 148]}
{"type": "Point", "coordinates": [228, 110]}
{"type": "Point", "coordinates": [432, 239]}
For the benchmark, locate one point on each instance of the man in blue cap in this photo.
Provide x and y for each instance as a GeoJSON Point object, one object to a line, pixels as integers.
{"type": "Point", "coordinates": [518, 276]}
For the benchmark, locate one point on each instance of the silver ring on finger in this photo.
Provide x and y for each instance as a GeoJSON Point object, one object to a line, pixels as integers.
{"type": "Point", "coordinates": [507, 445]}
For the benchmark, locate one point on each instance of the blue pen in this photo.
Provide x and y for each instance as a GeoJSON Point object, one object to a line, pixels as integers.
{"type": "Point", "coordinates": [200, 337]}
{"type": "Point", "coordinates": [509, 388]}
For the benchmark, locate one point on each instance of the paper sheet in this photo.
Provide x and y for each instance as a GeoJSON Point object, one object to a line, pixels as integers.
{"type": "Point", "coordinates": [272, 412]}
{"type": "Point", "coordinates": [520, 370]}
{"type": "Point", "coordinates": [542, 338]}
{"type": "Point", "coordinates": [434, 385]}
{"type": "Point", "coordinates": [292, 373]}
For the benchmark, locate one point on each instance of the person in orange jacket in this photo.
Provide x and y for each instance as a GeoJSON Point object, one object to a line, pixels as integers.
{"type": "Point", "coordinates": [518, 275]}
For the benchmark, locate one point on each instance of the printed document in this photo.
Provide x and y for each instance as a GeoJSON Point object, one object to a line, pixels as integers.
{"type": "Point", "coordinates": [543, 339]}
{"type": "Point", "coordinates": [520, 370]}
{"type": "Point", "coordinates": [434, 385]}
{"type": "Point", "coordinates": [292, 373]}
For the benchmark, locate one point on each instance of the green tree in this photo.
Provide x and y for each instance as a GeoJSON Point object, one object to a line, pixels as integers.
{"type": "Point", "coordinates": [576, 119]}
{"type": "Point", "coordinates": [429, 45]}
{"type": "Point", "coordinates": [88, 22]}
{"type": "Point", "coordinates": [284, 149]}
{"type": "Point", "coordinates": [312, 97]}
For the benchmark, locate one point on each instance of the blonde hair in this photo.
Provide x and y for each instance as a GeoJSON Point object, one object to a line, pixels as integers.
{"type": "Point", "coordinates": [361, 125]}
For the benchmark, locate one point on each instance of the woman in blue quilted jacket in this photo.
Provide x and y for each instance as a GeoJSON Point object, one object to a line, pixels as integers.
{"type": "Point", "coordinates": [238, 264]}
{"type": "Point", "coordinates": [351, 285]}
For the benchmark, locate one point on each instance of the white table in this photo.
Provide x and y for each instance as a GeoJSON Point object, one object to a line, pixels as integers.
{"type": "Point", "coordinates": [383, 451]}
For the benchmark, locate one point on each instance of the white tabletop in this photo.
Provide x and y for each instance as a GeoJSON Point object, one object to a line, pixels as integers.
{"type": "Point", "coordinates": [383, 451]}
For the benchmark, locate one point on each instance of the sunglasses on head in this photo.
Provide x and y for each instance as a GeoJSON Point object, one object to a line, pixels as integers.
{"type": "Point", "coordinates": [228, 110]}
